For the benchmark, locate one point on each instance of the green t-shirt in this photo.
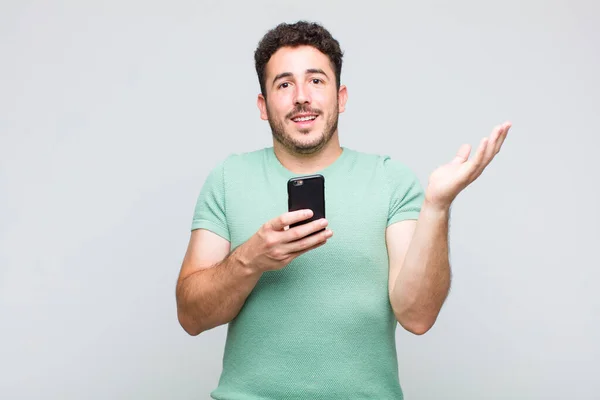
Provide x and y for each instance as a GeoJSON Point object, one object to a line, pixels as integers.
{"type": "Point", "coordinates": [322, 327]}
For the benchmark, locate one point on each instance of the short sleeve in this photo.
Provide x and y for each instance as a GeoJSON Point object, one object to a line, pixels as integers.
{"type": "Point", "coordinates": [209, 212]}
{"type": "Point", "coordinates": [405, 190]}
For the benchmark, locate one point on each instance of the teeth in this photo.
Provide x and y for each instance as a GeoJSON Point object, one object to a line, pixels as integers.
{"type": "Point", "coordinates": [301, 119]}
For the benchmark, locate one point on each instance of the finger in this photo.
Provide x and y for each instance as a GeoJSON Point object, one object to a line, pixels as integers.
{"type": "Point", "coordinates": [301, 231]}
{"type": "Point", "coordinates": [289, 218]}
{"type": "Point", "coordinates": [462, 155]}
{"type": "Point", "coordinates": [505, 128]}
{"type": "Point", "coordinates": [495, 141]}
{"type": "Point", "coordinates": [307, 242]}
{"type": "Point", "coordinates": [492, 142]}
{"type": "Point", "coordinates": [477, 160]}
{"type": "Point", "coordinates": [298, 253]}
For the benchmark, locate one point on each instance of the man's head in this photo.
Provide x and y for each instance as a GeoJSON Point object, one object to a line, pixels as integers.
{"type": "Point", "coordinates": [299, 68]}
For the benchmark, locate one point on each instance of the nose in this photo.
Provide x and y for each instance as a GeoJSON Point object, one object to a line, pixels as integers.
{"type": "Point", "coordinates": [302, 95]}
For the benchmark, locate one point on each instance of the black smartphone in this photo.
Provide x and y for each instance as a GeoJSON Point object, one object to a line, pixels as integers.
{"type": "Point", "coordinates": [307, 192]}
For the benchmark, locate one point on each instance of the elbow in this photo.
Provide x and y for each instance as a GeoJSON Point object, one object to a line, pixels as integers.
{"type": "Point", "coordinates": [190, 326]}
{"type": "Point", "coordinates": [194, 326]}
{"type": "Point", "coordinates": [417, 320]}
{"type": "Point", "coordinates": [417, 328]}
{"type": "Point", "coordinates": [187, 321]}
{"type": "Point", "coordinates": [417, 325]}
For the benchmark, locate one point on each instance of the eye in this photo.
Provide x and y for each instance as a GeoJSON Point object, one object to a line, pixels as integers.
{"type": "Point", "coordinates": [316, 81]}
{"type": "Point", "coordinates": [284, 85]}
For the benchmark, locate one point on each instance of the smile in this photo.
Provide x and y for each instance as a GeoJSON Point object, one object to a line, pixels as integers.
{"type": "Point", "coordinates": [304, 118]}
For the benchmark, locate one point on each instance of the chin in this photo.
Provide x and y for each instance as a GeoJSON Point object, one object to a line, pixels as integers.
{"type": "Point", "coordinates": [309, 146]}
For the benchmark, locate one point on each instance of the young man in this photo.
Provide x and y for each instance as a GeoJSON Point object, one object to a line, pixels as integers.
{"type": "Point", "coordinates": [314, 316]}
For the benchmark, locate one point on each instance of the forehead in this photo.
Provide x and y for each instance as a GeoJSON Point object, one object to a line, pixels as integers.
{"type": "Point", "coordinates": [297, 60]}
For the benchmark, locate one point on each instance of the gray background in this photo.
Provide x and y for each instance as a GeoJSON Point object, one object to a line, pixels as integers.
{"type": "Point", "coordinates": [112, 114]}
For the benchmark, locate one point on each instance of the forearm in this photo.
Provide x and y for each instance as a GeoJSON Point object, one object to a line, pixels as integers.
{"type": "Point", "coordinates": [214, 296]}
{"type": "Point", "coordinates": [423, 282]}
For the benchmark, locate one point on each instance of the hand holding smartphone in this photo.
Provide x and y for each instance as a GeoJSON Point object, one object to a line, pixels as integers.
{"type": "Point", "coordinates": [273, 246]}
{"type": "Point", "coordinates": [307, 192]}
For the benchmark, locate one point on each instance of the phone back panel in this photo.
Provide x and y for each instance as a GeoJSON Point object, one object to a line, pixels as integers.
{"type": "Point", "coordinates": [307, 192]}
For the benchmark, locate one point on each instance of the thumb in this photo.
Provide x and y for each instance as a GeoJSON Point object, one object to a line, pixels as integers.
{"type": "Point", "coordinates": [462, 155]}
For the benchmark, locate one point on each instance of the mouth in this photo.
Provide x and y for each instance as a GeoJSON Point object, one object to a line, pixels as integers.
{"type": "Point", "coordinates": [304, 120]}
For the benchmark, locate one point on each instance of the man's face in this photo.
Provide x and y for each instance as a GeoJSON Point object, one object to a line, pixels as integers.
{"type": "Point", "coordinates": [302, 103]}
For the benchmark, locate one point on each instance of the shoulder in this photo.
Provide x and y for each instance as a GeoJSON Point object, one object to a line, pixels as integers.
{"type": "Point", "coordinates": [240, 161]}
{"type": "Point", "coordinates": [401, 186]}
{"type": "Point", "coordinates": [383, 163]}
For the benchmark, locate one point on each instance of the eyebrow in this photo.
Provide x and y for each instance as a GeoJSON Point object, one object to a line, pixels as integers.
{"type": "Point", "coordinates": [308, 71]}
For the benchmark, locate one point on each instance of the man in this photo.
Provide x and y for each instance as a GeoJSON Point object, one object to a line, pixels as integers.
{"type": "Point", "coordinates": [314, 316]}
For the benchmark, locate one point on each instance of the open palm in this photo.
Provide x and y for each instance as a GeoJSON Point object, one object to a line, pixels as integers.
{"type": "Point", "coordinates": [447, 181]}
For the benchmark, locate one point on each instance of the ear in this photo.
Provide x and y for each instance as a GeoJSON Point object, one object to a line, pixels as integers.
{"type": "Point", "coordinates": [261, 102]}
{"type": "Point", "coordinates": [342, 98]}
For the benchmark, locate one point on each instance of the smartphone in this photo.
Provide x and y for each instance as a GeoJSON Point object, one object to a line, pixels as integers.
{"type": "Point", "coordinates": [307, 192]}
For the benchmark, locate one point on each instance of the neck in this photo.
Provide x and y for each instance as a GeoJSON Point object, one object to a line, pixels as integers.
{"type": "Point", "coordinates": [308, 163]}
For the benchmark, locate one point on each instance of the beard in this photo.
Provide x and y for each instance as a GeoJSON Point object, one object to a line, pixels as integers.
{"type": "Point", "coordinates": [299, 146]}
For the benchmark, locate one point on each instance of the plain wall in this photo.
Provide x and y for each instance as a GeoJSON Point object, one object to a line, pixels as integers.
{"type": "Point", "coordinates": [113, 113]}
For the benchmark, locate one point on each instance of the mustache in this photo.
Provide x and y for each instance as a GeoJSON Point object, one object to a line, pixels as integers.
{"type": "Point", "coordinates": [303, 110]}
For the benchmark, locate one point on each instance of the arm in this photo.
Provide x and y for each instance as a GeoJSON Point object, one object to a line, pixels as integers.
{"type": "Point", "coordinates": [419, 268]}
{"type": "Point", "coordinates": [214, 283]}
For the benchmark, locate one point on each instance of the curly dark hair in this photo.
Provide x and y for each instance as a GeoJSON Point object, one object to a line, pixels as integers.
{"type": "Point", "coordinates": [293, 35]}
